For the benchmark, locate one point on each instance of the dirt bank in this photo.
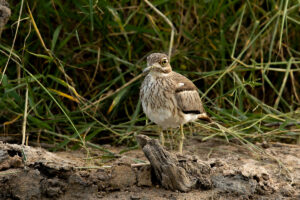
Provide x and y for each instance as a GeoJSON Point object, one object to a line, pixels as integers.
{"type": "Point", "coordinates": [233, 172]}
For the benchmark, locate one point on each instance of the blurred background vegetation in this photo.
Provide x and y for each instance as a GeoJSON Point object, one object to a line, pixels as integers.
{"type": "Point", "coordinates": [75, 68]}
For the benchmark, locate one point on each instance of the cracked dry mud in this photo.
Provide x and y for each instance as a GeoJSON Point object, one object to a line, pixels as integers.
{"type": "Point", "coordinates": [231, 172]}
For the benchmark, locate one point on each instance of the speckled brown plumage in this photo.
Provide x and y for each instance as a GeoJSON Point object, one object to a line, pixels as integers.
{"type": "Point", "coordinates": [5, 13]}
{"type": "Point", "coordinates": [168, 98]}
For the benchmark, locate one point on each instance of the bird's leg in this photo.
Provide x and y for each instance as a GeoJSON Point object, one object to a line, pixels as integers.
{"type": "Point", "coordinates": [172, 139]}
{"type": "Point", "coordinates": [168, 136]}
{"type": "Point", "coordinates": [161, 137]}
{"type": "Point", "coordinates": [181, 139]}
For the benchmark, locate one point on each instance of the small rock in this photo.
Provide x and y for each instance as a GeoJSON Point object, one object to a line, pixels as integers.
{"type": "Point", "coordinates": [265, 145]}
{"type": "Point", "coordinates": [287, 191]}
{"type": "Point", "coordinates": [3, 155]}
{"type": "Point", "coordinates": [144, 176]}
{"type": "Point", "coordinates": [125, 160]}
{"type": "Point", "coordinates": [122, 176]}
{"type": "Point", "coordinates": [134, 198]}
{"type": "Point", "coordinates": [172, 197]}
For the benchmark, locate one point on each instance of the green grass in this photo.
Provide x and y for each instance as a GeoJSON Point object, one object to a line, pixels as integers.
{"type": "Point", "coordinates": [82, 61]}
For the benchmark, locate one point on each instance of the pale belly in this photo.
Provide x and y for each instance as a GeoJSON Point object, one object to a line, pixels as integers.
{"type": "Point", "coordinates": [166, 119]}
{"type": "Point", "coordinates": [162, 117]}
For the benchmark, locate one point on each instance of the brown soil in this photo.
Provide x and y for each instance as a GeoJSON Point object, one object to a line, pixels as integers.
{"type": "Point", "coordinates": [235, 173]}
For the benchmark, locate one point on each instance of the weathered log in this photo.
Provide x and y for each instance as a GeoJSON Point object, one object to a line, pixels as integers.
{"type": "Point", "coordinates": [184, 172]}
{"type": "Point", "coordinates": [173, 172]}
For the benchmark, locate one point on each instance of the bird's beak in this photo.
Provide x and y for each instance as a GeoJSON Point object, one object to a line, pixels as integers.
{"type": "Point", "coordinates": [147, 69]}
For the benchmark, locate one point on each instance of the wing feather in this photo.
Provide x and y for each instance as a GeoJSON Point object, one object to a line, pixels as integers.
{"type": "Point", "coordinates": [187, 96]}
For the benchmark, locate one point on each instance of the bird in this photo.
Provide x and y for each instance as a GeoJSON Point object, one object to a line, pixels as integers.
{"type": "Point", "coordinates": [5, 13]}
{"type": "Point", "coordinates": [168, 98]}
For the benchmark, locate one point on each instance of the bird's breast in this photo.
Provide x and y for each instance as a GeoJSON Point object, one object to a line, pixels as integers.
{"type": "Point", "coordinates": [158, 101]}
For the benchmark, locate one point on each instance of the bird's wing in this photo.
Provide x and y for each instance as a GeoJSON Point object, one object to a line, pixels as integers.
{"type": "Point", "coordinates": [187, 96]}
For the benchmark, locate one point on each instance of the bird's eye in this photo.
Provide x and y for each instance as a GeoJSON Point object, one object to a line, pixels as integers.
{"type": "Point", "coordinates": [164, 61]}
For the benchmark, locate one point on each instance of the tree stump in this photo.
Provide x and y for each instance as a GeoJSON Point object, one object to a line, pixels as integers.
{"type": "Point", "coordinates": [175, 172]}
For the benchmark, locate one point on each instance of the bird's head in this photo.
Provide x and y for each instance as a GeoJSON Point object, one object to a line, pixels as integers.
{"type": "Point", "coordinates": [158, 63]}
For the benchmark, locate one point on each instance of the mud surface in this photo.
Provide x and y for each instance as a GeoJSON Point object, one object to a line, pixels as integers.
{"type": "Point", "coordinates": [235, 173]}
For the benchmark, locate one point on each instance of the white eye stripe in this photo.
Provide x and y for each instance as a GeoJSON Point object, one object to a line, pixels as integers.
{"type": "Point", "coordinates": [180, 84]}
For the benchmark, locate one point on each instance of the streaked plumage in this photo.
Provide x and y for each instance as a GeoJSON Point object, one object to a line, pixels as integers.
{"type": "Point", "coordinates": [168, 98]}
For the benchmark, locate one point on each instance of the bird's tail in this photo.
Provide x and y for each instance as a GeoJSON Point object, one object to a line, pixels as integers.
{"type": "Point", "coordinates": [205, 117]}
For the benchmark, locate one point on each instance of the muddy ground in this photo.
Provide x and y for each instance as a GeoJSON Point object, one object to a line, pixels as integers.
{"type": "Point", "coordinates": [235, 173]}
